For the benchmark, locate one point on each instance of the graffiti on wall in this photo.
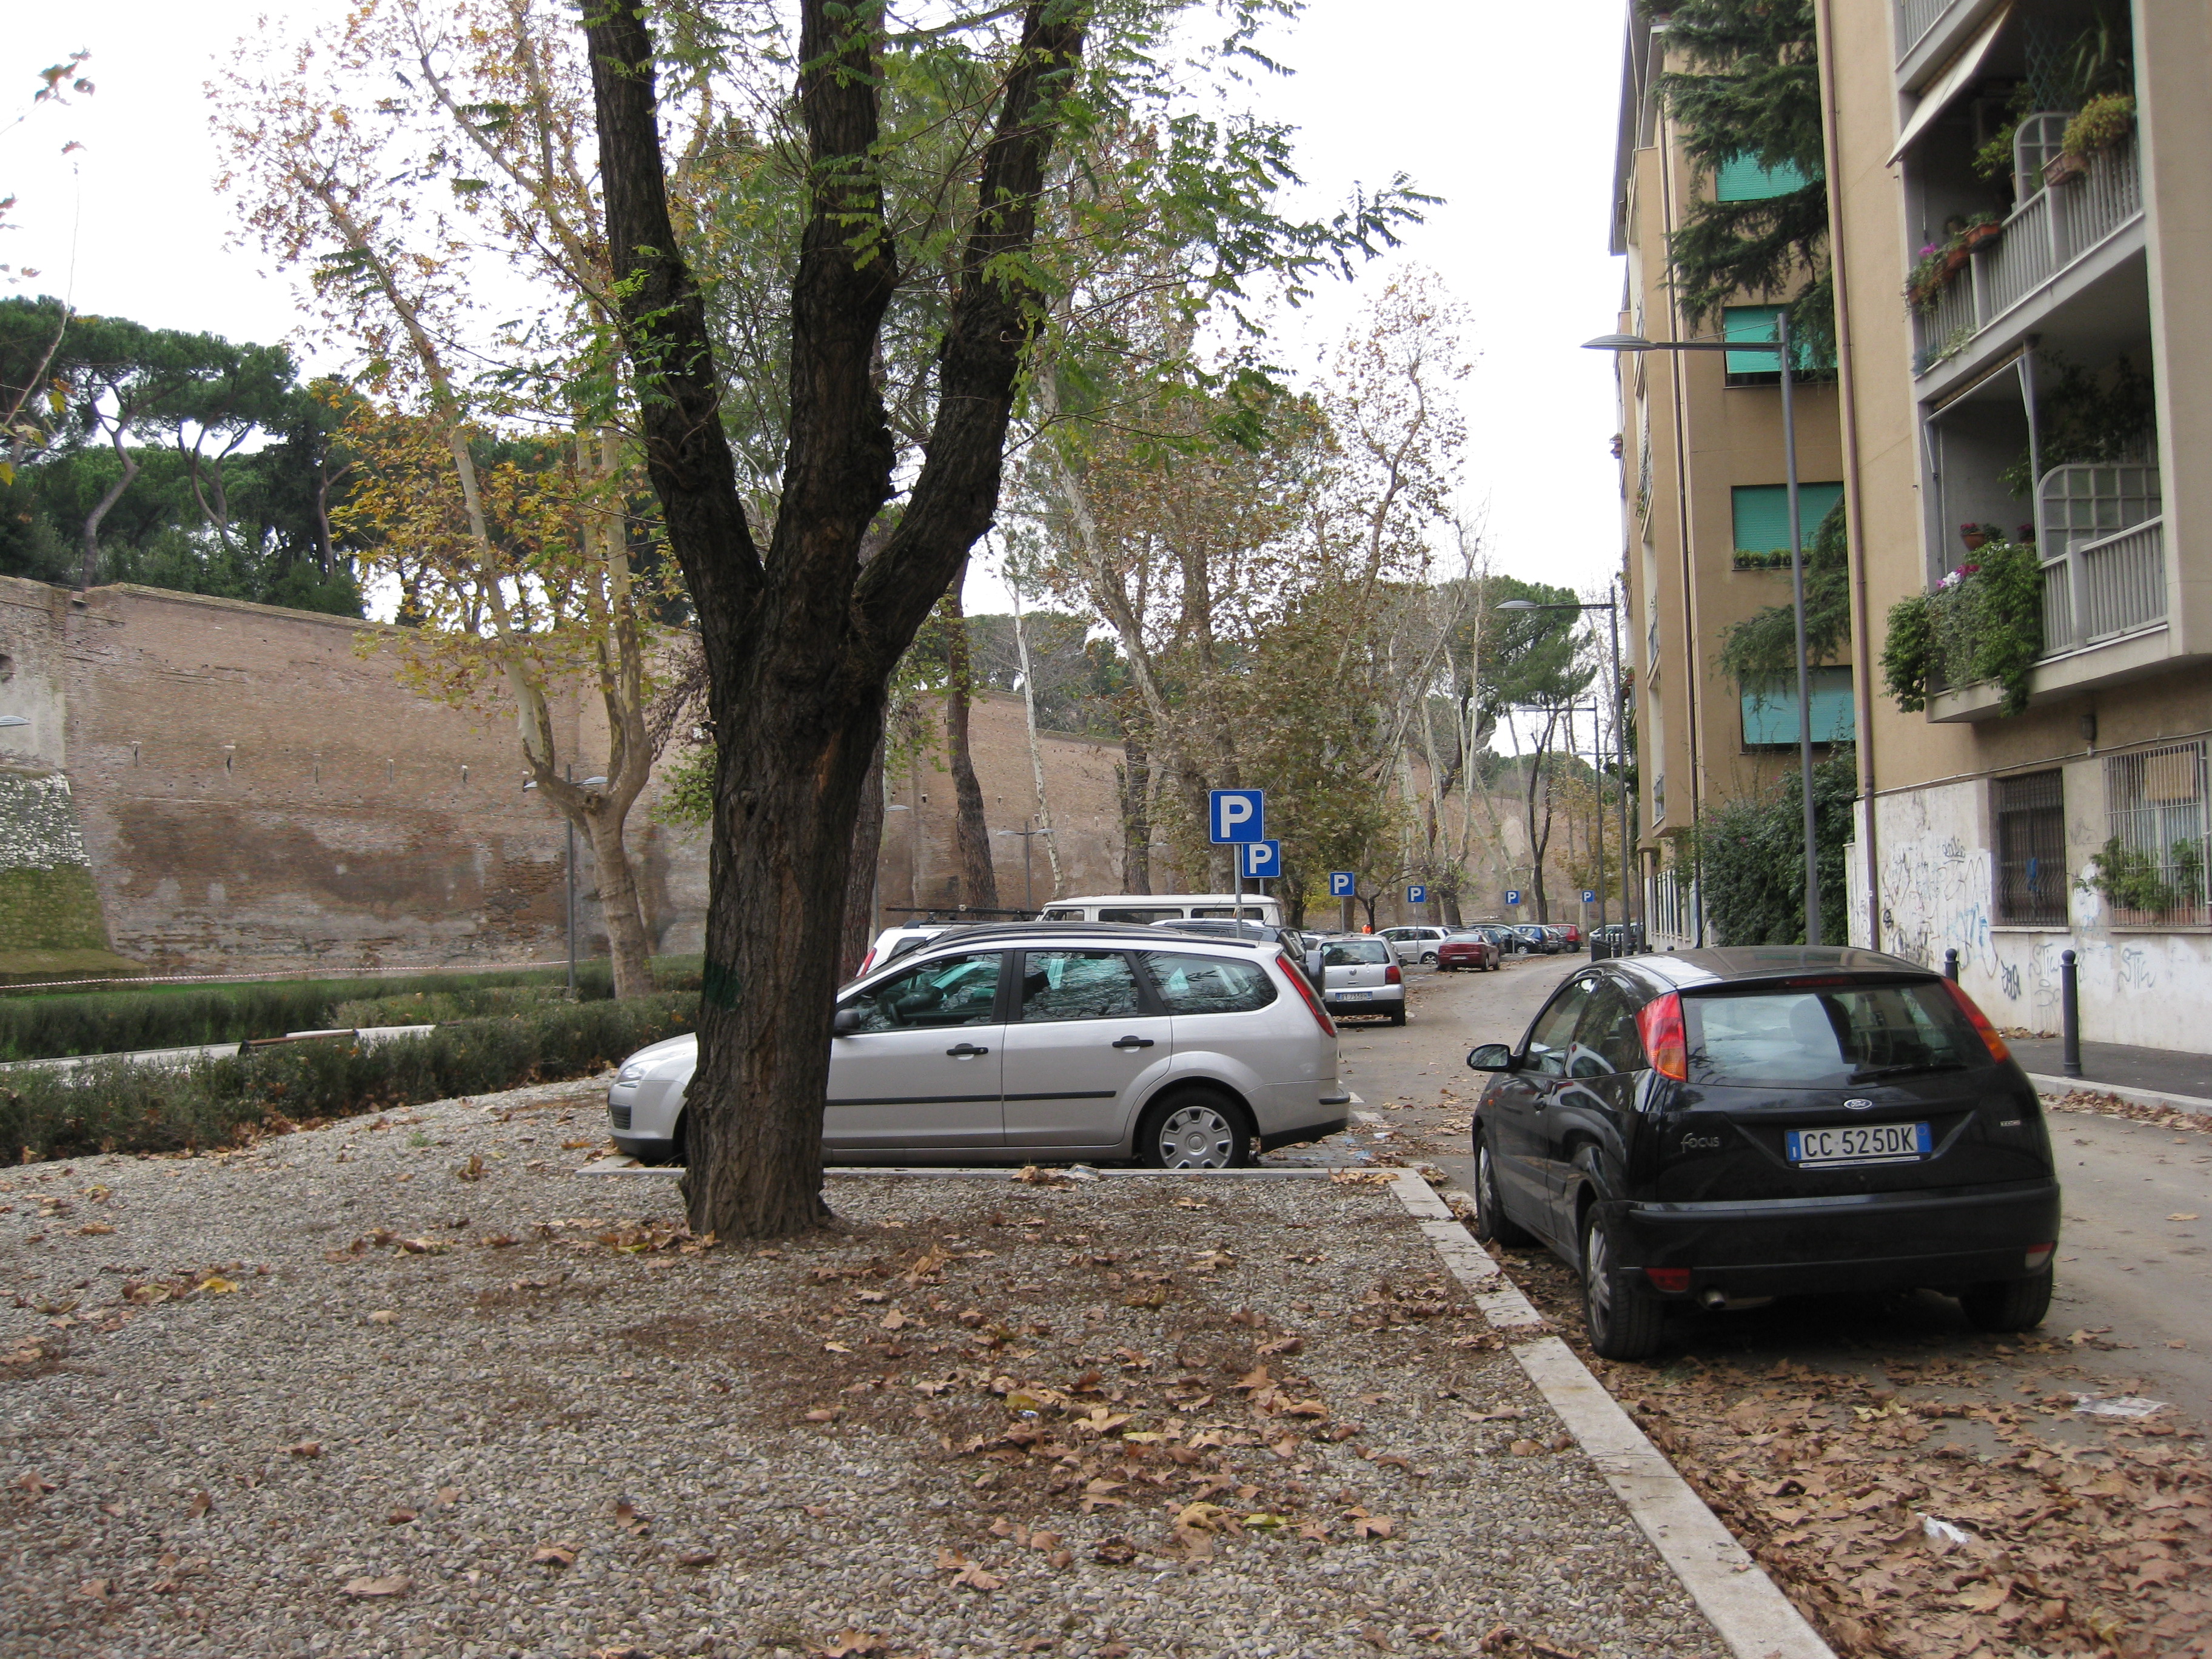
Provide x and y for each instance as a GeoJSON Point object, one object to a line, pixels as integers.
{"type": "Point", "coordinates": [1936, 895]}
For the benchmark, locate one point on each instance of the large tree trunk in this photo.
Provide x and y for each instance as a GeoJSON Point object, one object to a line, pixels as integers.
{"type": "Point", "coordinates": [800, 643]}
{"type": "Point", "coordinates": [629, 951]}
{"type": "Point", "coordinates": [978, 883]}
{"type": "Point", "coordinates": [860, 879]}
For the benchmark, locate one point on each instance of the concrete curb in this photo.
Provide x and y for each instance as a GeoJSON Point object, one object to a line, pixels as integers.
{"type": "Point", "coordinates": [621, 1166]}
{"type": "Point", "coordinates": [2067, 1085]}
{"type": "Point", "coordinates": [1732, 1590]}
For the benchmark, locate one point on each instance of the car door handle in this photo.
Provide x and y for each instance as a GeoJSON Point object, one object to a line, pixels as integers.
{"type": "Point", "coordinates": [1132, 1043]}
{"type": "Point", "coordinates": [964, 1050]}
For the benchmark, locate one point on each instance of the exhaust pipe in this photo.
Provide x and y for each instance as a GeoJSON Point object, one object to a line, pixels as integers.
{"type": "Point", "coordinates": [1713, 1297]}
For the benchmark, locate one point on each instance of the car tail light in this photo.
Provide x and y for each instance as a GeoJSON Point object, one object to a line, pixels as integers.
{"type": "Point", "coordinates": [1659, 1023]}
{"type": "Point", "coordinates": [2039, 1255]}
{"type": "Point", "coordinates": [1391, 975]}
{"type": "Point", "coordinates": [1674, 1280]}
{"type": "Point", "coordinates": [1988, 1032]}
{"type": "Point", "coordinates": [1299, 983]}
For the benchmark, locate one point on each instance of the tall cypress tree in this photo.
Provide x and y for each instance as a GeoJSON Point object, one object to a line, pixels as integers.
{"type": "Point", "coordinates": [1753, 90]}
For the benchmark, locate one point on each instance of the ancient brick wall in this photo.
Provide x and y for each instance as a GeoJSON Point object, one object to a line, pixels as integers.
{"type": "Point", "coordinates": [256, 790]}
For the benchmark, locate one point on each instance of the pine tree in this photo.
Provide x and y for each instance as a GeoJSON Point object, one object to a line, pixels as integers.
{"type": "Point", "coordinates": [1752, 89]}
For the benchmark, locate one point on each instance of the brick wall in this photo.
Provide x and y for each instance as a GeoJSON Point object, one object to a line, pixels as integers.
{"type": "Point", "coordinates": [256, 790]}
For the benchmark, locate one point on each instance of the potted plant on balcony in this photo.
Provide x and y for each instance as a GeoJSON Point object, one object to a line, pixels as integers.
{"type": "Point", "coordinates": [1981, 234]}
{"type": "Point", "coordinates": [1983, 622]}
{"type": "Point", "coordinates": [2102, 125]}
{"type": "Point", "coordinates": [1976, 535]}
{"type": "Point", "coordinates": [1928, 278]}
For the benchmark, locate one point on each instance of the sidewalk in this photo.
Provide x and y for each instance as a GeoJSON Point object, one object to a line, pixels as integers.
{"type": "Point", "coordinates": [2184, 1079]}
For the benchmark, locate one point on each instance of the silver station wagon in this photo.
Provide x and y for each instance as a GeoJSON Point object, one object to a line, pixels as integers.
{"type": "Point", "coordinates": [1067, 1041]}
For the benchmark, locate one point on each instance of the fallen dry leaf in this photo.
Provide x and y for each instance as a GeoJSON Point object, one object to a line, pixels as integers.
{"type": "Point", "coordinates": [697, 1558]}
{"type": "Point", "coordinates": [384, 1316]}
{"type": "Point", "coordinates": [33, 1486]}
{"type": "Point", "coordinates": [628, 1519]}
{"type": "Point", "coordinates": [1116, 1552]}
{"type": "Point", "coordinates": [449, 1495]}
{"type": "Point", "coordinates": [853, 1644]}
{"type": "Point", "coordinates": [200, 1505]}
{"type": "Point", "coordinates": [398, 1517]}
{"type": "Point", "coordinates": [370, 1589]}
{"type": "Point", "coordinates": [554, 1555]}
{"type": "Point", "coordinates": [825, 1414]}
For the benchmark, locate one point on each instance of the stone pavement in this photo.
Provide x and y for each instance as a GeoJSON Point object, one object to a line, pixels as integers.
{"type": "Point", "coordinates": [2165, 1072]}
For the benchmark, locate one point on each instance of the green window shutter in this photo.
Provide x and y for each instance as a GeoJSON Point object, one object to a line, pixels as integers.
{"type": "Point", "coordinates": [1741, 178]}
{"type": "Point", "coordinates": [1769, 716]}
{"type": "Point", "coordinates": [1762, 514]}
{"type": "Point", "coordinates": [1750, 323]}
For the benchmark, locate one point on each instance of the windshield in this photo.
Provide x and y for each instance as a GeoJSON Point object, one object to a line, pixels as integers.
{"type": "Point", "coordinates": [1833, 1034]}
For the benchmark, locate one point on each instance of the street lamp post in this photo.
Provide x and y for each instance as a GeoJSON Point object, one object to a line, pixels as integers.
{"type": "Point", "coordinates": [1612, 609]}
{"type": "Point", "coordinates": [1779, 345]}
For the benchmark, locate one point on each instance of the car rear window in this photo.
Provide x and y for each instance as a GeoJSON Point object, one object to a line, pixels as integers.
{"type": "Point", "coordinates": [1355, 955]}
{"type": "Point", "coordinates": [1209, 985]}
{"type": "Point", "coordinates": [1833, 1034]}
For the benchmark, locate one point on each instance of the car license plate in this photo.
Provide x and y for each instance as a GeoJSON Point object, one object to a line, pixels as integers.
{"type": "Point", "coordinates": [1860, 1142]}
{"type": "Point", "coordinates": [1355, 996]}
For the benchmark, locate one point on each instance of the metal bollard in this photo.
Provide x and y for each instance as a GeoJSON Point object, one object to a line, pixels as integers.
{"type": "Point", "coordinates": [2069, 1014]}
{"type": "Point", "coordinates": [1951, 965]}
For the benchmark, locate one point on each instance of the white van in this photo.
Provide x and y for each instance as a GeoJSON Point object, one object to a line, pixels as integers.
{"type": "Point", "coordinates": [1145, 909]}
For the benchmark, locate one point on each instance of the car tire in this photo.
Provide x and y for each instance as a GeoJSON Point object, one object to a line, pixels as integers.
{"type": "Point", "coordinates": [1429, 957]}
{"type": "Point", "coordinates": [1194, 1129]}
{"type": "Point", "coordinates": [1397, 1016]}
{"type": "Point", "coordinates": [1491, 1224]}
{"type": "Point", "coordinates": [1625, 1320]}
{"type": "Point", "coordinates": [2008, 1304]}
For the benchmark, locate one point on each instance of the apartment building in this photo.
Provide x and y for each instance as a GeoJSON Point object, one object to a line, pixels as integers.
{"type": "Point", "coordinates": [1705, 527]}
{"type": "Point", "coordinates": [2040, 173]}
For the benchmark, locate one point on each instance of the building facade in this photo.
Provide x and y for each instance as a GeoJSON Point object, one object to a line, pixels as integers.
{"type": "Point", "coordinates": [2021, 210]}
{"type": "Point", "coordinates": [1705, 527]}
{"type": "Point", "coordinates": [2056, 158]}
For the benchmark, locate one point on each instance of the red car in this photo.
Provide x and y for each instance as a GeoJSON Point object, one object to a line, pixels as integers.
{"type": "Point", "coordinates": [1574, 935]}
{"type": "Point", "coordinates": [1473, 950]}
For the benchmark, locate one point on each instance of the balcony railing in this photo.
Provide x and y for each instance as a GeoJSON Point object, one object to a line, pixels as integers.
{"type": "Point", "coordinates": [2103, 541]}
{"type": "Point", "coordinates": [2104, 589]}
{"type": "Point", "coordinates": [1914, 19]}
{"type": "Point", "coordinates": [2050, 231]}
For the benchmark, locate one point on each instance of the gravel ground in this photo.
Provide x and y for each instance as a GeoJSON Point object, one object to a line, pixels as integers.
{"type": "Point", "coordinates": [407, 1385]}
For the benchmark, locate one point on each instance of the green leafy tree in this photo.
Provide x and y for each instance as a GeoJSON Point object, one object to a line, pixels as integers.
{"type": "Point", "coordinates": [1752, 90]}
{"type": "Point", "coordinates": [1750, 856]}
{"type": "Point", "coordinates": [1761, 650]}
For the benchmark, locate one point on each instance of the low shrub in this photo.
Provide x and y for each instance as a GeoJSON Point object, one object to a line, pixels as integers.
{"type": "Point", "coordinates": [114, 1022]}
{"type": "Point", "coordinates": [119, 1106]}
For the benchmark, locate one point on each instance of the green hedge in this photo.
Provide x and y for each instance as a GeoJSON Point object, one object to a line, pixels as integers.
{"type": "Point", "coordinates": [116, 1106]}
{"type": "Point", "coordinates": [116, 1022]}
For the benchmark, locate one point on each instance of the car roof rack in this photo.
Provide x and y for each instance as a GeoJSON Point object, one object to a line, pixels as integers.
{"type": "Point", "coordinates": [981, 932]}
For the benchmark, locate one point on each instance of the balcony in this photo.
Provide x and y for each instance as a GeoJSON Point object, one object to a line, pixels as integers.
{"type": "Point", "coordinates": [1914, 19]}
{"type": "Point", "coordinates": [2103, 535]}
{"type": "Point", "coordinates": [2051, 232]}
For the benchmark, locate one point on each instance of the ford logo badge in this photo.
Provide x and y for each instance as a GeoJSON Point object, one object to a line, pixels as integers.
{"type": "Point", "coordinates": [1858, 1105]}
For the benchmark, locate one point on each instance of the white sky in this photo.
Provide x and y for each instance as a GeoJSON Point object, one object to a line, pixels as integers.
{"type": "Point", "coordinates": [1505, 111]}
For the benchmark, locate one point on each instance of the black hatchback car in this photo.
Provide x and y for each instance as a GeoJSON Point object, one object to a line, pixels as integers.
{"type": "Point", "coordinates": [1725, 1127]}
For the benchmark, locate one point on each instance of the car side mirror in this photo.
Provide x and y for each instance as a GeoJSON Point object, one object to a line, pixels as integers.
{"type": "Point", "coordinates": [847, 1021]}
{"type": "Point", "coordinates": [1491, 1057]}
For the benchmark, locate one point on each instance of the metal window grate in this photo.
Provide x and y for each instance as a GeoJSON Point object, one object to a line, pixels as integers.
{"type": "Point", "coordinates": [2156, 800]}
{"type": "Point", "coordinates": [2031, 873]}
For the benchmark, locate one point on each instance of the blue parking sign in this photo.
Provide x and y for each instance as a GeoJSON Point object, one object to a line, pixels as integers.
{"type": "Point", "coordinates": [1262, 858]}
{"type": "Point", "coordinates": [1513, 896]}
{"type": "Point", "coordinates": [1417, 894]}
{"type": "Point", "coordinates": [1343, 884]}
{"type": "Point", "coordinates": [1589, 895]}
{"type": "Point", "coordinates": [1234, 815]}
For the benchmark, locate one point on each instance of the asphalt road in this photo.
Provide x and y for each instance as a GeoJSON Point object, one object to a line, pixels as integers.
{"type": "Point", "coordinates": [2123, 1263]}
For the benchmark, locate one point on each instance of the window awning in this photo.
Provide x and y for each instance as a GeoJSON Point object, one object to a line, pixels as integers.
{"type": "Point", "coordinates": [1952, 81]}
